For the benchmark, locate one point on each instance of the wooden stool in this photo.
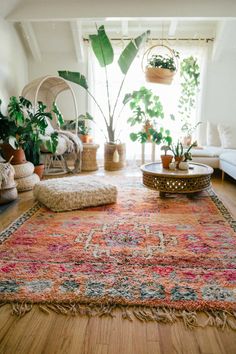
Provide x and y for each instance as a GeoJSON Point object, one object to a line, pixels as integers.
{"type": "Point", "coordinates": [89, 157]}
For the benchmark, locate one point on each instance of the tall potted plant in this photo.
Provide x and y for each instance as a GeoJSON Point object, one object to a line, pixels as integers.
{"type": "Point", "coordinates": [102, 48]}
{"type": "Point", "coordinates": [146, 108]}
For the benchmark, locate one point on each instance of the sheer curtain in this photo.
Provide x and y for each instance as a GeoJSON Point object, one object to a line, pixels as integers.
{"type": "Point", "coordinates": [169, 94]}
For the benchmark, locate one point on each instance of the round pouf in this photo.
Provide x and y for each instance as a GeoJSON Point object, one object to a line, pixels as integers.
{"type": "Point", "coordinates": [24, 170]}
{"type": "Point", "coordinates": [27, 183]}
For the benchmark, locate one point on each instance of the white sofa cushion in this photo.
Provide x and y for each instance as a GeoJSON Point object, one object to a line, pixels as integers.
{"type": "Point", "coordinates": [227, 136]}
{"type": "Point", "coordinates": [213, 137]}
{"type": "Point", "coordinates": [229, 157]}
{"type": "Point", "coordinates": [207, 151]}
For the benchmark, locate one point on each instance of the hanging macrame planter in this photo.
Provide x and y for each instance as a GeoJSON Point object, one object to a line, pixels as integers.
{"type": "Point", "coordinates": [160, 68]}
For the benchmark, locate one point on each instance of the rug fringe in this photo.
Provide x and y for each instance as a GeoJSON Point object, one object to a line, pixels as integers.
{"type": "Point", "coordinates": [220, 319]}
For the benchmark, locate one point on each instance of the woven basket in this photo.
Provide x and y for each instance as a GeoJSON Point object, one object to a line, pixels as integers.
{"type": "Point", "coordinates": [110, 152]}
{"type": "Point", "coordinates": [89, 157]}
{"type": "Point", "coordinates": [27, 183]}
{"type": "Point", "coordinates": [158, 75]}
{"type": "Point", "coordinates": [24, 170]}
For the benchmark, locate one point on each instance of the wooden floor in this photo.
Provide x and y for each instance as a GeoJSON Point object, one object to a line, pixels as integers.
{"type": "Point", "coordinates": [40, 333]}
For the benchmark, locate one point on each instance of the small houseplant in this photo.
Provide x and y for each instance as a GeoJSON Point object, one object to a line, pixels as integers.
{"type": "Point", "coordinates": [146, 109]}
{"type": "Point", "coordinates": [103, 50]}
{"type": "Point", "coordinates": [182, 155]}
{"type": "Point", "coordinates": [161, 68]}
{"type": "Point", "coordinates": [166, 158]}
{"type": "Point", "coordinates": [83, 130]}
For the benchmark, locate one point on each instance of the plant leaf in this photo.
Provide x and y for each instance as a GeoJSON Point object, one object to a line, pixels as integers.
{"type": "Point", "coordinates": [129, 53]}
{"type": "Point", "coordinates": [102, 47]}
{"type": "Point", "coordinates": [75, 77]}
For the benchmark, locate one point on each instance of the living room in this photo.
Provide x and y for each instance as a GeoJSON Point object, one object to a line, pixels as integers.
{"type": "Point", "coordinates": [134, 259]}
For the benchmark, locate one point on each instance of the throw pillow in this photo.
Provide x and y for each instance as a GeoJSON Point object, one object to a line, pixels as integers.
{"type": "Point", "coordinates": [213, 138]}
{"type": "Point", "coordinates": [227, 136]}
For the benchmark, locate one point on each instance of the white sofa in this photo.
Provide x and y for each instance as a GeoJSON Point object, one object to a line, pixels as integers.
{"type": "Point", "coordinates": [220, 151]}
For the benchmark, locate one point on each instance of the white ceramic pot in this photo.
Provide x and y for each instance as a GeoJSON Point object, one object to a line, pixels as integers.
{"type": "Point", "coordinates": [183, 165]}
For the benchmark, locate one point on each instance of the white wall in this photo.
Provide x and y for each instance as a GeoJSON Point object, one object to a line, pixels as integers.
{"type": "Point", "coordinates": [50, 65]}
{"type": "Point", "coordinates": [219, 101]}
{"type": "Point", "coordinates": [13, 63]}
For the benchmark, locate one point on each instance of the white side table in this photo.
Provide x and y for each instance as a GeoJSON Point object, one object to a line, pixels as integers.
{"type": "Point", "coordinates": [153, 151]}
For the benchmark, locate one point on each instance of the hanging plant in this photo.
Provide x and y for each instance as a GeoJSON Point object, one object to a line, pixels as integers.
{"type": "Point", "coordinates": [161, 68]}
{"type": "Point", "coordinates": [190, 75]}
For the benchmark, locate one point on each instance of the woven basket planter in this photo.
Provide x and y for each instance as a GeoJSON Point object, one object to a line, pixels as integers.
{"type": "Point", "coordinates": [159, 75]}
{"type": "Point", "coordinates": [114, 157]}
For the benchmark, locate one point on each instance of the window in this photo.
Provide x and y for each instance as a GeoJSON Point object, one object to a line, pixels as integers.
{"type": "Point", "coordinates": [169, 94]}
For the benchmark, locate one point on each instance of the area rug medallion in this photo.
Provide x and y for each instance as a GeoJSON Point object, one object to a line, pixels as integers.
{"type": "Point", "coordinates": [154, 259]}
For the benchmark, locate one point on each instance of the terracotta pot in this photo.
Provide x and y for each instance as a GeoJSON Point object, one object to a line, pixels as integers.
{"type": "Point", "coordinates": [159, 75]}
{"type": "Point", "coordinates": [166, 160]}
{"type": "Point", "coordinates": [18, 154]}
{"type": "Point", "coordinates": [114, 157]}
{"type": "Point", "coordinates": [178, 159]}
{"type": "Point", "coordinates": [39, 170]}
{"type": "Point", "coordinates": [86, 139]}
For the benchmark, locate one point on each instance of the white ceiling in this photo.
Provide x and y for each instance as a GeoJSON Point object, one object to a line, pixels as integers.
{"type": "Point", "coordinates": [51, 27]}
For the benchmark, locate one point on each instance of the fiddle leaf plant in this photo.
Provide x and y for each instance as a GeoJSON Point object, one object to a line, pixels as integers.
{"type": "Point", "coordinates": [103, 51]}
{"type": "Point", "coordinates": [147, 109]}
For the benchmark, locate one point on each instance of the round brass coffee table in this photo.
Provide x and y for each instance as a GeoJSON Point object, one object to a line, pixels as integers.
{"type": "Point", "coordinates": [196, 179]}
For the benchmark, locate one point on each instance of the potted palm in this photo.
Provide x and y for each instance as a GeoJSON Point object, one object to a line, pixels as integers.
{"type": "Point", "coordinates": [161, 68]}
{"type": "Point", "coordinates": [102, 48]}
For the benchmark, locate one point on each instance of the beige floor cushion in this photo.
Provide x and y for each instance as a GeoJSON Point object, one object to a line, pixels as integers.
{"type": "Point", "coordinates": [27, 183]}
{"type": "Point", "coordinates": [70, 193]}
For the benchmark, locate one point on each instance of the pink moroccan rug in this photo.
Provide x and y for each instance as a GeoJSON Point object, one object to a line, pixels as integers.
{"type": "Point", "coordinates": [155, 259]}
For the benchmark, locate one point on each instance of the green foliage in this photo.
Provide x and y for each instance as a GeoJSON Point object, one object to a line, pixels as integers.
{"type": "Point", "coordinates": [164, 61]}
{"type": "Point", "coordinates": [102, 49]}
{"type": "Point", "coordinates": [177, 149]}
{"type": "Point", "coordinates": [82, 128]}
{"type": "Point", "coordinates": [146, 108]}
{"type": "Point", "coordinates": [187, 153]}
{"type": "Point", "coordinates": [24, 127]}
{"type": "Point", "coordinates": [190, 75]}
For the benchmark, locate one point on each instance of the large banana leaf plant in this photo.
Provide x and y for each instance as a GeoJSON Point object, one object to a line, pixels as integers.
{"type": "Point", "coordinates": [103, 50]}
